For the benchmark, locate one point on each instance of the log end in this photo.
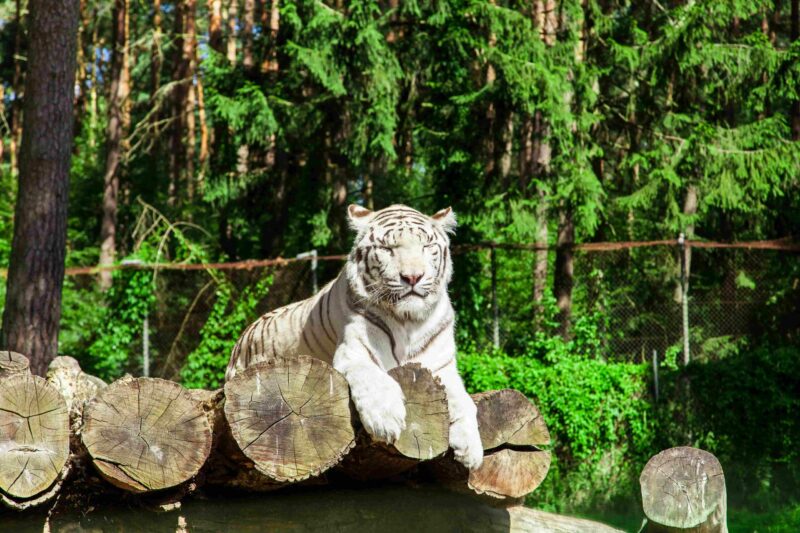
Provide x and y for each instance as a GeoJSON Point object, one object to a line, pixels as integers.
{"type": "Point", "coordinates": [13, 363]}
{"type": "Point", "coordinates": [684, 488]}
{"type": "Point", "coordinates": [146, 434]}
{"type": "Point", "coordinates": [290, 417]}
{"type": "Point", "coordinates": [34, 436]}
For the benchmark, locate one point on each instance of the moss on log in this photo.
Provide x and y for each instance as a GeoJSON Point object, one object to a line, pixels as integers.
{"type": "Point", "coordinates": [425, 436]}
{"type": "Point", "coordinates": [513, 433]}
{"type": "Point", "coordinates": [146, 434]}
{"type": "Point", "coordinates": [34, 439]}
{"type": "Point", "coordinates": [290, 417]}
{"type": "Point", "coordinates": [683, 489]}
{"type": "Point", "coordinates": [12, 363]}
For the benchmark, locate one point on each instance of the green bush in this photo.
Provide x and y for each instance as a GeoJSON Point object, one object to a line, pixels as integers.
{"type": "Point", "coordinates": [605, 424]}
{"type": "Point", "coordinates": [232, 312]}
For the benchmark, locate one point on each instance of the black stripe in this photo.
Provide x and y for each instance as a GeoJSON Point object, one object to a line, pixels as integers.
{"type": "Point", "coordinates": [371, 355]}
{"type": "Point", "coordinates": [322, 320]}
{"type": "Point", "coordinates": [378, 323]}
{"type": "Point", "coordinates": [442, 367]}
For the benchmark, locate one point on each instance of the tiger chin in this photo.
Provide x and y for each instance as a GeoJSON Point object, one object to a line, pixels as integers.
{"type": "Point", "coordinates": [389, 306]}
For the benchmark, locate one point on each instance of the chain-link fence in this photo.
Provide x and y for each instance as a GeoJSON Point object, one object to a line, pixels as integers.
{"type": "Point", "coordinates": [633, 292]}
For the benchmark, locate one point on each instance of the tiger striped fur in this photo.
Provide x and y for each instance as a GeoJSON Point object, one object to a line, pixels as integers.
{"type": "Point", "coordinates": [389, 306]}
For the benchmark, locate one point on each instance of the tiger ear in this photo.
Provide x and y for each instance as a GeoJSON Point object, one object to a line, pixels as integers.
{"type": "Point", "coordinates": [359, 216]}
{"type": "Point", "coordinates": [446, 219]}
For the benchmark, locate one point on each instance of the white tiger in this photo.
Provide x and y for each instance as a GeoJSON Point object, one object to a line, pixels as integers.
{"type": "Point", "coordinates": [388, 306]}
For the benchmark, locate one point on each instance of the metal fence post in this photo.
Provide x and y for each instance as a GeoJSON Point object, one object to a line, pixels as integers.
{"type": "Point", "coordinates": [495, 309]}
{"type": "Point", "coordinates": [313, 255]}
{"type": "Point", "coordinates": [684, 299]}
{"type": "Point", "coordinates": [655, 373]}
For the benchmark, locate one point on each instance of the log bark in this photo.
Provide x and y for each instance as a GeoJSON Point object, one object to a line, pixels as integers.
{"type": "Point", "coordinates": [34, 432]}
{"type": "Point", "coordinates": [425, 437]}
{"type": "Point", "coordinates": [683, 489]}
{"type": "Point", "coordinates": [36, 271]}
{"type": "Point", "coordinates": [513, 433]}
{"type": "Point", "coordinates": [290, 418]}
{"type": "Point", "coordinates": [146, 434]}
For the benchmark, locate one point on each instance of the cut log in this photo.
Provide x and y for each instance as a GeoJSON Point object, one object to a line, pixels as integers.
{"type": "Point", "coordinates": [513, 433]}
{"type": "Point", "coordinates": [34, 440]}
{"type": "Point", "coordinates": [146, 434]}
{"type": "Point", "coordinates": [76, 386]}
{"type": "Point", "coordinates": [12, 363]}
{"type": "Point", "coordinates": [425, 436]}
{"type": "Point", "coordinates": [683, 489]}
{"type": "Point", "coordinates": [290, 418]}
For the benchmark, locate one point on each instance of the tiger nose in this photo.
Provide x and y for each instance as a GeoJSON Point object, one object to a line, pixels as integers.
{"type": "Point", "coordinates": [411, 279]}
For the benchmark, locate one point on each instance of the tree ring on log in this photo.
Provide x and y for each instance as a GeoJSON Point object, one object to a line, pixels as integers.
{"type": "Point", "coordinates": [427, 418]}
{"type": "Point", "coordinates": [146, 434]}
{"type": "Point", "coordinates": [34, 435]}
{"type": "Point", "coordinates": [291, 417]}
{"type": "Point", "coordinates": [684, 488]}
{"type": "Point", "coordinates": [12, 363]}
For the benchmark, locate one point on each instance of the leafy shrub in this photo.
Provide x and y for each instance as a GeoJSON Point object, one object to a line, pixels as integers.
{"type": "Point", "coordinates": [231, 314]}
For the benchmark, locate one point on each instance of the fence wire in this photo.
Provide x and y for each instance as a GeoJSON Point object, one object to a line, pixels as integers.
{"type": "Point", "coordinates": [632, 292]}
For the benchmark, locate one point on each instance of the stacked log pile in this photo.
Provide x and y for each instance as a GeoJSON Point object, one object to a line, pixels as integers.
{"type": "Point", "coordinates": [281, 422]}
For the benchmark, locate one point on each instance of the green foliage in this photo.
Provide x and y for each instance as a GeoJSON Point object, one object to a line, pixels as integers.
{"type": "Point", "coordinates": [232, 312]}
{"type": "Point", "coordinates": [600, 414]}
{"type": "Point", "coordinates": [129, 302]}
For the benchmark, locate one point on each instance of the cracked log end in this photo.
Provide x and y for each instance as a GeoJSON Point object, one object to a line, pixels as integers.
{"type": "Point", "coordinates": [425, 437]}
{"type": "Point", "coordinates": [684, 489]}
{"type": "Point", "coordinates": [290, 417]}
{"type": "Point", "coordinates": [34, 436]}
{"type": "Point", "coordinates": [146, 434]}
{"type": "Point", "coordinates": [513, 433]}
{"type": "Point", "coordinates": [12, 363]}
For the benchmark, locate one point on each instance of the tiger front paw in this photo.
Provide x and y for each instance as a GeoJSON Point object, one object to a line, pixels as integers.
{"type": "Point", "coordinates": [381, 406]}
{"type": "Point", "coordinates": [465, 439]}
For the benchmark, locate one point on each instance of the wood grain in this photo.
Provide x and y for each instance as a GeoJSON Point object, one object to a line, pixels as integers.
{"type": "Point", "coordinates": [146, 434]}
{"type": "Point", "coordinates": [34, 435]}
{"type": "Point", "coordinates": [290, 417]}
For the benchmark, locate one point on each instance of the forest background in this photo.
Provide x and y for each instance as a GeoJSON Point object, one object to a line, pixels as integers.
{"type": "Point", "coordinates": [226, 130]}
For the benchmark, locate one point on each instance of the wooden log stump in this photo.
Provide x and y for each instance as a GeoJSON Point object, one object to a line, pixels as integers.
{"type": "Point", "coordinates": [683, 489]}
{"type": "Point", "coordinates": [12, 363]}
{"type": "Point", "coordinates": [34, 440]}
{"type": "Point", "coordinates": [425, 436]}
{"type": "Point", "coordinates": [146, 434]}
{"type": "Point", "coordinates": [513, 433]}
{"type": "Point", "coordinates": [76, 386]}
{"type": "Point", "coordinates": [290, 419]}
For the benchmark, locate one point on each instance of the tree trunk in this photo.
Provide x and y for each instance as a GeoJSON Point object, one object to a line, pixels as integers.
{"type": "Point", "coordinates": [270, 22]}
{"type": "Point", "coordinates": [230, 48]}
{"type": "Point", "coordinates": [248, 26]}
{"type": "Point", "coordinates": [36, 271]}
{"type": "Point", "coordinates": [155, 64]}
{"type": "Point", "coordinates": [683, 490]}
{"type": "Point", "coordinates": [118, 126]}
{"type": "Point", "coordinates": [215, 25]}
{"type": "Point", "coordinates": [795, 35]}
{"type": "Point", "coordinates": [689, 210]}
{"type": "Point", "coordinates": [189, 102]}
{"type": "Point", "coordinates": [17, 84]}
{"type": "Point", "coordinates": [564, 269]}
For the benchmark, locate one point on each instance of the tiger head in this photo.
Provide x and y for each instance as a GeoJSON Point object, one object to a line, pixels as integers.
{"type": "Point", "coordinates": [401, 260]}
